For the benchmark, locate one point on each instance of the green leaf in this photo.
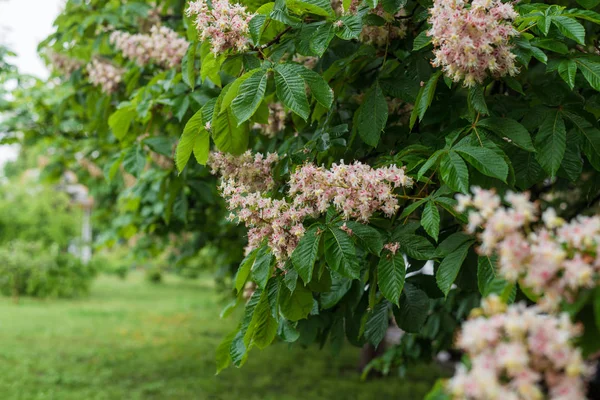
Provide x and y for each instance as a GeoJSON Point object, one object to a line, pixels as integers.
{"type": "Point", "coordinates": [431, 220]}
{"type": "Point", "coordinates": [339, 287]}
{"type": "Point", "coordinates": [305, 254]}
{"type": "Point", "coordinates": [317, 7]}
{"type": "Point", "coordinates": [391, 272]}
{"type": "Point", "coordinates": [255, 27]}
{"type": "Point", "coordinates": [291, 90]}
{"type": "Point", "coordinates": [243, 271]}
{"type": "Point", "coordinates": [262, 269]}
{"type": "Point", "coordinates": [372, 116]}
{"type": "Point", "coordinates": [412, 208]}
{"type": "Point", "coordinates": [367, 236]}
{"type": "Point", "coordinates": [590, 70]}
{"type": "Point", "coordinates": [413, 310]}
{"type": "Point", "coordinates": [211, 64]}
{"type": "Point", "coordinates": [351, 26]}
{"type": "Point", "coordinates": [424, 99]}
{"type": "Point", "coordinates": [250, 95]}
{"type": "Point", "coordinates": [415, 246]}
{"type": "Point", "coordinates": [340, 253]}
{"type": "Point", "coordinates": [429, 163]}
{"type": "Point", "coordinates": [591, 134]}
{"type": "Point", "coordinates": [485, 161]}
{"type": "Point", "coordinates": [264, 326]}
{"type": "Point", "coordinates": [233, 89]}
{"type": "Point", "coordinates": [570, 28]}
{"type": "Point", "coordinates": [195, 139]}
{"type": "Point", "coordinates": [596, 302]}
{"type": "Point", "coordinates": [486, 272]}
{"type": "Point", "coordinates": [189, 77]}
{"type": "Point", "coordinates": [321, 38]}
{"type": "Point", "coordinates": [476, 99]}
{"type": "Point", "coordinates": [551, 142]}
{"type": "Point", "coordinates": [567, 70]}
{"type": "Point", "coordinates": [223, 358]}
{"type": "Point", "coordinates": [421, 41]}
{"type": "Point", "coordinates": [161, 145]}
{"type": "Point", "coordinates": [510, 129]}
{"type": "Point", "coordinates": [297, 305]}
{"type": "Point", "coordinates": [319, 88]}
{"type": "Point", "coordinates": [454, 172]}
{"type": "Point", "coordinates": [450, 267]}
{"type": "Point", "coordinates": [134, 161]}
{"type": "Point", "coordinates": [377, 323]}
{"type": "Point", "coordinates": [589, 4]}
{"type": "Point", "coordinates": [228, 136]}
{"type": "Point", "coordinates": [120, 121]}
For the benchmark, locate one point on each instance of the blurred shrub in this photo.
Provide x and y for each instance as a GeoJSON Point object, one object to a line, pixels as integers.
{"type": "Point", "coordinates": [113, 261]}
{"type": "Point", "coordinates": [207, 259]}
{"type": "Point", "coordinates": [32, 269]}
{"type": "Point", "coordinates": [37, 213]}
{"type": "Point", "coordinates": [154, 274]}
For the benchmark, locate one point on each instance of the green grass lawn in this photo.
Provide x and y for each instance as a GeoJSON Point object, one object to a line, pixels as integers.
{"type": "Point", "coordinates": [134, 340]}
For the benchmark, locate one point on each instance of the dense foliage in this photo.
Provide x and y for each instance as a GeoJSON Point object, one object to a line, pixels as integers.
{"type": "Point", "coordinates": [340, 134]}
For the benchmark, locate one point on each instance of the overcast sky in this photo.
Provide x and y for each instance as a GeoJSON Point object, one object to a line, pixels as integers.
{"type": "Point", "coordinates": [23, 24]}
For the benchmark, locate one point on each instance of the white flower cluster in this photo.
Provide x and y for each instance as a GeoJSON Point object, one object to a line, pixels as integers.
{"type": "Point", "coordinates": [163, 46]}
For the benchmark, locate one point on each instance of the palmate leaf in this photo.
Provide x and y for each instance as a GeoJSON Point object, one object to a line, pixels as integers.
{"type": "Point", "coordinates": [454, 172]}
{"type": "Point", "coordinates": [262, 267]}
{"type": "Point", "coordinates": [509, 129]}
{"type": "Point", "coordinates": [290, 88]}
{"type": "Point", "coordinates": [321, 38]}
{"type": "Point", "coordinates": [377, 323]}
{"type": "Point", "coordinates": [339, 287]}
{"type": "Point", "coordinates": [567, 70]}
{"type": "Point", "coordinates": [551, 142]}
{"type": "Point", "coordinates": [450, 267]}
{"type": "Point", "coordinates": [486, 272]}
{"type": "Point", "coordinates": [368, 237]}
{"type": "Point", "coordinates": [570, 28]}
{"type": "Point", "coordinates": [351, 26]}
{"type": "Point", "coordinates": [227, 135]}
{"type": "Point", "coordinates": [263, 327]}
{"type": "Point", "coordinates": [431, 220]}
{"type": "Point", "coordinates": [194, 139]}
{"type": "Point", "coordinates": [590, 70]}
{"type": "Point", "coordinates": [243, 271]}
{"type": "Point", "coordinates": [120, 121]}
{"type": "Point", "coordinates": [250, 95]}
{"type": "Point", "coordinates": [340, 253]}
{"type": "Point", "coordinates": [484, 160]}
{"type": "Point", "coordinates": [391, 272]}
{"type": "Point", "coordinates": [232, 90]}
{"type": "Point", "coordinates": [424, 99]}
{"type": "Point", "coordinates": [372, 116]}
{"type": "Point", "coordinates": [319, 88]}
{"type": "Point", "coordinates": [304, 256]}
{"type": "Point", "coordinates": [296, 305]}
{"type": "Point", "coordinates": [413, 310]}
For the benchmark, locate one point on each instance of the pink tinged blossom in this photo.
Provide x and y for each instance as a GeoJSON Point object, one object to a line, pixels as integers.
{"type": "Point", "coordinates": [555, 261]}
{"type": "Point", "coordinates": [224, 24]}
{"type": "Point", "coordinates": [64, 64]}
{"type": "Point", "coordinates": [392, 247]}
{"type": "Point", "coordinates": [162, 46]}
{"type": "Point", "coordinates": [356, 191]}
{"type": "Point", "coordinates": [346, 229]}
{"type": "Point", "coordinates": [473, 42]}
{"type": "Point", "coordinates": [518, 353]}
{"type": "Point", "coordinates": [105, 75]}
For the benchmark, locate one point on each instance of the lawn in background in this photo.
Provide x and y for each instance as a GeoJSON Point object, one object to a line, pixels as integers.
{"type": "Point", "coordinates": [134, 340]}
